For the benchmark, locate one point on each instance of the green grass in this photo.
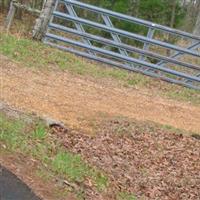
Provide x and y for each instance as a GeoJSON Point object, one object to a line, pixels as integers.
{"type": "Point", "coordinates": [40, 132]}
{"type": "Point", "coordinates": [37, 55]}
{"type": "Point", "coordinates": [77, 170]}
{"type": "Point", "coordinates": [35, 141]}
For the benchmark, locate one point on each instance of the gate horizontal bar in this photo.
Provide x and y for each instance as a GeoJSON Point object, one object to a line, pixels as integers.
{"type": "Point", "coordinates": [122, 46]}
{"type": "Point", "coordinates": [125, 33]}
{"type": "Point", "coordinates": [178, 54]}
{"type": "Point", "coordinates": [124, 58]}
{"type": "Point", "coordinates": [119, 65]}
{"type": "Point", "coordinates": [132, 19]}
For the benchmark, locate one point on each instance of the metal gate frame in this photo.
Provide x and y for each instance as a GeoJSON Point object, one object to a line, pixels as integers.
{"type": "Point", "coordinates": [189, 78]}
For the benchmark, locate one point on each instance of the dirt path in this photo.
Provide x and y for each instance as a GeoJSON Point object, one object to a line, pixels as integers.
{"type": "Point", "coordinates": [77, 100]}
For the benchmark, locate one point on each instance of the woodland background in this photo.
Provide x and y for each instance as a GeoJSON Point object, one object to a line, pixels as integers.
{"type": "Point", "coordinates": [182, 14]}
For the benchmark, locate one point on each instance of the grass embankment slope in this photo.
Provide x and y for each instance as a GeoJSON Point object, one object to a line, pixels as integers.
{"type": "Point", "coordinates": [37, 55]}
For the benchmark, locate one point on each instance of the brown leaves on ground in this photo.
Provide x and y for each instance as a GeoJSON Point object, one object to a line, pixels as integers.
{"type": "Point", "coordinates": [150, 165]}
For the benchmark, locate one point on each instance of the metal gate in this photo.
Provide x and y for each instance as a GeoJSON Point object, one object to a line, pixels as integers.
{"type": "Point", "coordinates": [95, 33]}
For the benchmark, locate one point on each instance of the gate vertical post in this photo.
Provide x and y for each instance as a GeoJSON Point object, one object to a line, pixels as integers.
{"type": "Point", "coordinates": [43, 20]}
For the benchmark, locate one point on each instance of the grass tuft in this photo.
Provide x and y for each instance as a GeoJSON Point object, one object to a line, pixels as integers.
{"type": "Point", "coordinates": [40, 132]}
{"type": "Point", "coordinates": [72, 165]}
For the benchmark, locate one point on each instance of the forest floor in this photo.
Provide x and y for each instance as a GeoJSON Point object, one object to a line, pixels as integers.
{"type": "Point", "coordinates": [126, 136]}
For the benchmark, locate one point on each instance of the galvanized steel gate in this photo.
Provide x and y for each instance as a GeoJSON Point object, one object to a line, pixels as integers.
{"type": "Point", "coordinates": [98, 37]}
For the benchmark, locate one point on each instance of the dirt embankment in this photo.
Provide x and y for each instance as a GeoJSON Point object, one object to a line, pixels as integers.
{"type": "Point", "coordinates": [77, 100]}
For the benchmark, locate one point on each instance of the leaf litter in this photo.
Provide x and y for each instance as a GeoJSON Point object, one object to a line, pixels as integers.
{"type": "Point", "coordinates": [151, 164]}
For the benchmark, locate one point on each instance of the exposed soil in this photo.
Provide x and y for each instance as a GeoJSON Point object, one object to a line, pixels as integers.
{"type": "Point", "coordinates": [149, 164]}
{"type": "Point", "coordinates": [77, 101]}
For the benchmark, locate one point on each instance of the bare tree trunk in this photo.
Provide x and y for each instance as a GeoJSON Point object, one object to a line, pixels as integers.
{"type": "Point", "coordinates": [19, 11]}
{"type": "Point", "coordinates": [197, 26]}
{"type": "Point", "coordinates": [10, 16]}
{"type": "Point", "coordinates": [189, 21]}
{"type": "Point", "coordinates": [42, 22]}
{"type": "Point", "coordinates": [2, 5]}
{"type": "Point", "coordinates": [172, 22]}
